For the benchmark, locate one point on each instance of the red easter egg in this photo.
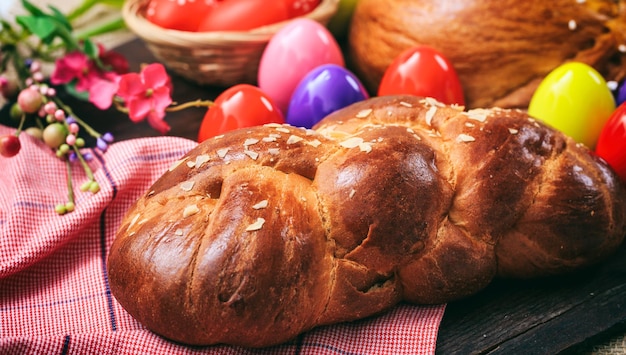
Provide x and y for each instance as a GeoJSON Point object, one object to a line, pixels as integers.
{"type": "Point", "coordinates": [611, 144]}
{"type": "Point", "coordinates": [422, 71]}
{"type": "Point", "coordinates": [239, 106]}
{"type": "Point", "coordinates": [243, 15]}
{"type": "Point", "coordinates": [182, 15]}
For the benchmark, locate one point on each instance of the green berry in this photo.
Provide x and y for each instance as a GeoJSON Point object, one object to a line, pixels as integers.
{"type": "Point", "coordinates": [69, 206]}
{"type": "Point", "coordinates": [94, 188]}
{"type": "Point", "coordinates": [16, 112]}
{"type": "Point", "coordinates": [80, 142]}
{"type": "Point", "coordinates": [60, 209]}
{"type": "Point", "coordinates": [54, 135]}
{"type": "Point", "coordinates": [85, 186]}
{"type": "Point", "coordinates": [64, 148]}
{"type": "Point", "coordinates": [35, 132]}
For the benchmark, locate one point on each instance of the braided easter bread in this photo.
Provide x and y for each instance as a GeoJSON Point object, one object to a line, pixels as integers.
{"type": "Point", "coordinates": [264, 233]}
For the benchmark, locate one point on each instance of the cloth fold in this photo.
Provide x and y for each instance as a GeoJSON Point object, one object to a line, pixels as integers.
{"type": "Point", "coordinates": [54, 291]}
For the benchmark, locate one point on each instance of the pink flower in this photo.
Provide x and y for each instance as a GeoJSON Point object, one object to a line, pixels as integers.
{"type": "Point", "coordinates": [74, 66]}
{"type": "Point", "coordinates": [104, 88]}
{"type": "Point", "coordinates": [147, 95]}
{"type": "Point", "coordinates": [100, 84]}
{"type": "Point", "coordinates": [102, 91]}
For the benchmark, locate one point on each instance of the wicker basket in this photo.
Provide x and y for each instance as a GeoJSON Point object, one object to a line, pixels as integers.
{"type": "Point", "coordinates": [222, 58]}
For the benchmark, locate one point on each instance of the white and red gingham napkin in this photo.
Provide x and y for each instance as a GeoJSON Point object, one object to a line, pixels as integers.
{"type": "Point", "coordinates": [54, 291]}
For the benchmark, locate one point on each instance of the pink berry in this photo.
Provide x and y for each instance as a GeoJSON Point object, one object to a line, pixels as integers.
{"type": "Point", "coordinates": [30, 100]}
{"type": "Point", "coordinates": [74, 127]}
{"type": "Point", "coordinates": [9, 145]}
{"type": "Point", "coordinates": [38, 76]}
{"type": "Point", "coordinates": [70, 139]}
{"type": "Point", "coordinates": [50, 107]}
{"type": "Point", "coordinates": [35, 66]}
{"type": "Point", "coordinates": [59, 115]}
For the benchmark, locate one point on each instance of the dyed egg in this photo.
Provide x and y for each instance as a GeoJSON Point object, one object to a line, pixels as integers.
{"type": "Point", "coordinates": [612, 141]}
{"type": "Point", "coordinates": [179, 15]}
{"type": "Point", "coordinates": [243, 15]}
{"type": "Point", "coordinates": [291, 53]}
{"type": "Point", "coordinates": [301, 7]}
{"type": "Point", "coordinates": [239, 106]}
{"type": "Point", "coordinates": [422, 71]}
{"type": "Point", "coordinates": [575, 99]}
{"type": "Point", "coordinates": [322, 91]}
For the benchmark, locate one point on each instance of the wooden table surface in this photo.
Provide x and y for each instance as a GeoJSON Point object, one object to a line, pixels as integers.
{"type": "Point", "coordinates": [566, 314]}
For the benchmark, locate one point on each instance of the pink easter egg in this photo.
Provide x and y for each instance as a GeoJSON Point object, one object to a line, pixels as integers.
{"type": "Point", "coordinates": [291, 53]}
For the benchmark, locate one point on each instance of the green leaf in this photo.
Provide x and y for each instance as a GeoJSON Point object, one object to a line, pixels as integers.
{"type": "Point", "coordinates": [71, 89]}
{"type": "Point", "coordinates": [113, 25]}
{"type": "Point", "coordinates": [42, 27]}
{"type": "Point", "coordinates": [60, 17]}
{"type": "Point", "coordinates": [32, 8]}
{"type": "Point", "coordinates": [91, 49]}
{"type": "Point", "coordinates": [47, 26]}
{"type": "Point", "coordinates": [67, 37]}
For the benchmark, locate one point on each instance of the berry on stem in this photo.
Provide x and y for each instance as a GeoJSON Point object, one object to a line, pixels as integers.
{"type": "Point", "coordinates": [35, 132]}
{"type": "Point", "coordinates": [54, 135]}
{"type": "Point", "coordinates": [60, 209]}
{"type": "Point", "coordinates": [9, 145]}
{"type": "Point", "coordinates": [16, 112]}
{"type": "Point", "coordinates": [94, 187]}
{"type": "Point", "coordinates": [30, 100]}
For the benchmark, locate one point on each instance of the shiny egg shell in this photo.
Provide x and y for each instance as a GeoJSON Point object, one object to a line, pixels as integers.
{"type": "Point", "coordinates": [422, 71]}
{"type": "Point", "coordinates": [322, 91]}
{"type": "Point", "coordinates": [291, 53]}
{"type": "Point", "coordinates": [575, 99]}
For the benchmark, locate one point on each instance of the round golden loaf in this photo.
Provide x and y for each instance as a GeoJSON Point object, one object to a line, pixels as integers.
{"type": "Point", "coordinates": [501, 49]}
{"type": "Point", "coordinates": [267, 232]}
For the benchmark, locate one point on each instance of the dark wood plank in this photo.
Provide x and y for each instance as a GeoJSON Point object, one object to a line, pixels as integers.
{"type": "Point", "coordinates": [548, 316]}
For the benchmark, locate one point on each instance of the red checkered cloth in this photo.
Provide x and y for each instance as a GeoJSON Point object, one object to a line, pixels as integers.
{"type": "Point", "coordinates": [54, 291]}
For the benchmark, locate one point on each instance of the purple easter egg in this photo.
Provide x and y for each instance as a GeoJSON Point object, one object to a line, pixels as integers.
{"type": "Point", "coordinates": [323, 90]}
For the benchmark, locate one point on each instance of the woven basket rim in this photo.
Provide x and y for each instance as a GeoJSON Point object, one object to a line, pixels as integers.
{"type": "Point", "coordinates": [174, 38]}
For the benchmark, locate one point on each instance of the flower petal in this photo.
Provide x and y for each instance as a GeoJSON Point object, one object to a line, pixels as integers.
{"type": "Point", "coordinates": [76, 61]}
{"type": "Point", "coordinates": [69, 67]}
{"type": "Point", "coordinates": [85, 81]}
{"type": "Point", "coordinates": [130, 85]}
{"type": "Point", "coordinates": [155, 76]}
{"type": "Point", "coordinates": [101, 93]}
{"type": "Point", "coordinates": [156, 121]}
{"type": "Point", "coordinates": [138, 109]}
{"type": "Point", "coordinates": [161, 98]}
